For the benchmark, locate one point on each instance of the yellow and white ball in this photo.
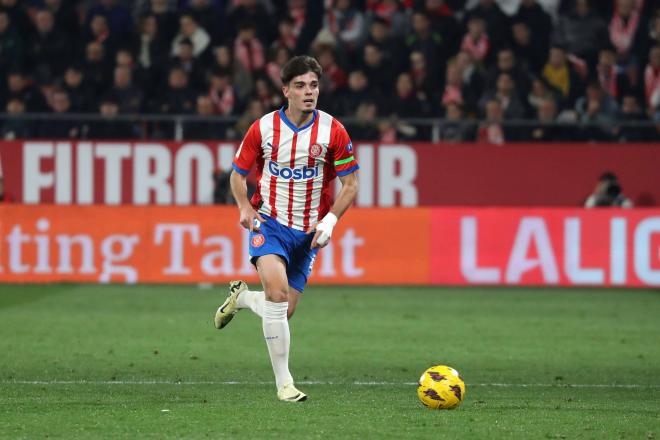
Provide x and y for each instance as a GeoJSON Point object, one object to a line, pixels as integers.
{"type": "Point", "coordinates": [441, 387]}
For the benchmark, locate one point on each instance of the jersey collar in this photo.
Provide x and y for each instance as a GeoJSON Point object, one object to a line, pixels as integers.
{"type": "Point", "coordinates": [292, 126]}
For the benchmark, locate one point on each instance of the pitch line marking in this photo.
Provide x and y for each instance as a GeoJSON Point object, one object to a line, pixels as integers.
{"type": "Point", "coordinates": [313, 382]}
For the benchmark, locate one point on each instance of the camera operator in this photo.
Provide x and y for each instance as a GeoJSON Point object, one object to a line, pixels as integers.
{"type": "Point", "coordinates": [608, 193]}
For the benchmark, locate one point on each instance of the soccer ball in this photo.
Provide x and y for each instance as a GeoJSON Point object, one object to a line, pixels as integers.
{"type": "Point", "coordinates": [441, 387]}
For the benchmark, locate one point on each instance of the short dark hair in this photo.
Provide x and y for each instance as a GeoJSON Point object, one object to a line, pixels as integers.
{"type": "Point", "coordinates": [300, 65]}
{"type": "Point", "coordinates": [608, 176]}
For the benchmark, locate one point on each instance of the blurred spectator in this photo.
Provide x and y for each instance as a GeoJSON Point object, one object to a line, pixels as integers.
{"type": "Point", "coordinates": [507, 63]}
{"type": "Point", "coordinates": [408, 102]}
{"type": "Point", "coordinates": [12, 51]}
{"type": "Point", "coordinates": [49, 50]}
{"type": "Point", "coordinates": [631, 112]}
{"type": "Point", "coordinates": [366, 127]}
{"type": "Point", "coordinates": [185, 59]}
{"type": "Point", "coordinates": [476, 41]}
{"type": "Point", "coordinates": [506, 95]}
{"type": "Point", "coordinates": [221, 93]}
{"type": "Point", "coordinates": [253, 111]}
{"type": "Point", "coordinates": [152, 53]}
{"type": "Point", "coordinates": [20, 87]}
{"type": "Point", "coordinates": [5, 197]}
{"type": "Point", "coordinates": [118, 17]}
{"type": "Point", "coordinates": [346, 23]}
{"type": "Point", "coordinates": [177, 98]}
{"type": "Point", "coordinates": [654, 30]}
{"type": "Point", "coordinates": [286, 34]}
{"type": "Point", "coordinates": [533, 16]}
{"type": "Point", "coordinates": [255, 13]}
{"type": "Point", "coordinates": [279, 55]}
{"type": "Point", "coordinates": [390, 13]}
{"type": "Point", "coordinates": [96, 67]}
{"type": "Point", "coordinates": [359, 90]}
{"type": "Point", "coordinates": [455, 128]}
{"type": "Point", "coordinates": [126, 95]}
{"type": "Point", "coordinates": [610, 76]}
{"type": "Point", "coordinates": [61, 127]}
{"type": "Point", "coordinates": [443, 20]}
{"type": "Point", "coordinates": [189, 29]}
{"type": "Point", "coordinates": [652, 80]}
{"type": "Point", "coordinates": [13, 125]}
{"type": "Point", "coordinates": [334, 78]}
{"type": "Point", "coordinates": [99, 31]}
{"type": "Point", "coordinates": [270, 98]}
{"type": "Point", "coordinates": [581, 32]}
{"type": "Point", "coordinates": [248, 49]}
{"type": "Point", "coordinates": [627, 29]}
{"type": "Point", "coordinates": [473, 80]}
{"type": "Point", "coordinates": [17, 15]}
{"type": "Point", "coordinates": [375, 66]}
{"type": "Point", "coordinates": [309, 23]}
{"type": "Point", "coordinates": [608, 192]}
{"type": "Point", "coordinates": [66, 16]}
{"type": "Point", "coordinates": [530, 53]}
{"type": "Point", "coordinates": [241, 79]}
{"type": "Point", "coordinates": [425, 40]}
{"type": "Point", "coordinates": [207, 128]}
{"type": "Point", "coordinates": [423, 81]}
{"type": "Point", "coordinates": [562, 76]}
{"type": "Point", "coordinates": [167, 20]}
{"type": "Point", "coordinates": [490, 130]}
{"type": "Point", "coordinates": [109, 127]}
{"type": "Point", "coordinates": [80, 93]}
{"type": "Point", "coordinates": [390, 46]}
{"type": "Point", "coordinates": [539, 93]}
{"type": "Point", "coordinates": [548, 130]}
{"type": "Point", "coordinates": [497, 23]}
{"type": "Point", "coordinates": [208, 16]}
{"type": "Point", "coordinates": [453, 93]}
{"type": "Point", "coordinates": [125, 58]}
{"type": "Point", "coordinates": [596, 106]}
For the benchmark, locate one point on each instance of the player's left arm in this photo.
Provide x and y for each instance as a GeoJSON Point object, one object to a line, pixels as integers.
{"type": "Point", "coordinates": [346, 168]}
{"type": "Point", "coordinates": [343, 201]}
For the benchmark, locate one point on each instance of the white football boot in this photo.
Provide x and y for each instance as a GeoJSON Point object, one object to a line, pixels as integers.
{"type": "Point", "coordinates": [289, 393]}
{"type": "Point", "coordinates": [227, 310]}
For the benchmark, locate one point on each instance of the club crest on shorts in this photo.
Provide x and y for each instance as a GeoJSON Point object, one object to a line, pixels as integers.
{"type": "Point", "coordinates": [258, 240]}
{"type": "Point", "coordinates": [315, 150]}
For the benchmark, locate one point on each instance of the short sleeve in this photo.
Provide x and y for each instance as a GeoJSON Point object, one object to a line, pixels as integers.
{"type": "Point", "coordinates": [344, 156]}
{"type": "Point", "coordinates": [248, 150]}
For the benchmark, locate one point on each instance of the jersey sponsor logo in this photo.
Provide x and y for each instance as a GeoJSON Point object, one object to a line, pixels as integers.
{"type": "Point", "coordinates": [258, 240]}
{"type": "Point", "coordinates": [300, 173]}
{"type": "Point", "coordinates": [315, 150]}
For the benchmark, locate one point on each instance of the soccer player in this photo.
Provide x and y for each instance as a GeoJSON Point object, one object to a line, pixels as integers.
{"type": "Point", "coordinates": [298, 151]}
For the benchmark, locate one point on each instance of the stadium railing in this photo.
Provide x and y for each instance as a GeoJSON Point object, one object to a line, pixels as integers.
{"type": "Point", "coordinates": [193, 127]}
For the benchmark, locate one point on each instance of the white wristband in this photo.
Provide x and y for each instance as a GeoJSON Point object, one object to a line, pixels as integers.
{"type": "Point", "coordinates": [325, 227]}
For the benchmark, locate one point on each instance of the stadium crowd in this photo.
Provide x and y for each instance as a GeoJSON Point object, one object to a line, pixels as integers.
{"type": "Point", "coordinates": [569, 69]}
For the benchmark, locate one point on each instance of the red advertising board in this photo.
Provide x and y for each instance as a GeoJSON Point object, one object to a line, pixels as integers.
{"type": "Point", "coordinates": [561, 247]}
{"type": "Point", "coordinates": [413, 246]}
{"type": "Point", "coordinates": [410, 175]}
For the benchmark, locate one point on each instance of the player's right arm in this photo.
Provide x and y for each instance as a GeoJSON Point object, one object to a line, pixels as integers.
{"type": "Point", "coordinates": [238, 184]}
{"type": "Point", "coordinates": [243, 161]}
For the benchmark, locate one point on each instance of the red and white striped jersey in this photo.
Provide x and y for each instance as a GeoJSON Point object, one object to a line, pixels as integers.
{"type": "Point", "coordinates": [295, 166]}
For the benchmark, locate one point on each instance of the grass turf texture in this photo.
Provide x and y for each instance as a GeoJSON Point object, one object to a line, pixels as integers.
{"type": "Point", "coordinates": [105, 361]}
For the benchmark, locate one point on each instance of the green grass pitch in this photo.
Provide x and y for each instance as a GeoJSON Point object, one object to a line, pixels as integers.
{"type": "Point", "coordinates": [87, 361]}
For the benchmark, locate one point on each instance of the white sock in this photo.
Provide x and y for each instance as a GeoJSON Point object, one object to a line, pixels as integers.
{"type": "Point", "coordinates": [252, 299]}
{"type": "Point", "coordinates": [276, 333]}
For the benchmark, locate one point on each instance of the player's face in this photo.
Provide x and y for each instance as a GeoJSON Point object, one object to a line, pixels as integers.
{"type": "Point", "coordinates": [302, 92]}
